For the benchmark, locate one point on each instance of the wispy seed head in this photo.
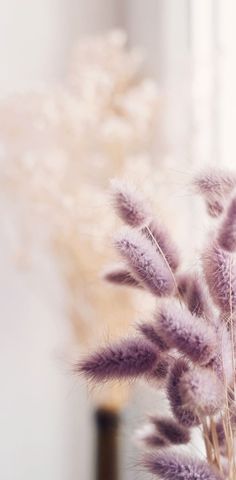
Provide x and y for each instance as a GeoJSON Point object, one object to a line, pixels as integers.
{"type": "Point", "coordinates": [215, 186]}
{"type": "Point", "coordinates": [145, 262]}
{"type": "Point", "coordinates": [148, 436]}
{"type": "Point", "coordinates": [149, 331]}
{"type": "Point", "coordinates": [128, 359]}
{"type": "Point", "coordinates": [227, 233]}
{"type": "Point", "coordinates": [160, 371]}
{"type": "Point", "coordinates": [193, 291]}
{"type": "Point", "coordinates": [222, 362]}
{"type": "Point", "coordinates": [158, 235]}
{"type": "Point", "coordinates": [171, 430]}
{"type": "Point", "coordinates": [128, 204]}
{"type": "Point", "coordinates": [220, 272]}
{"type": "Point", "coordinates": [172, 466]}
{"type": "Point", "coordinates": [188, 334]}
{"type": "Point", "coordinates": [119, 275]}
{"type": "Point", "coordinates": [202, 389]}
{"type": "Point", "coordinates": [185, 415]}
{"type": "Point", "coordinates": [215, 181]}
{"type": "Point", "coordinates": [215, 207]}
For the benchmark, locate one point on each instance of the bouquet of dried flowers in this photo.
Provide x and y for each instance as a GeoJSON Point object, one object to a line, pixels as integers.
{"type": "Point", "coordinates": [188, 347]}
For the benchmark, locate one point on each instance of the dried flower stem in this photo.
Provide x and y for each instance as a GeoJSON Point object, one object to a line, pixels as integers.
{"type": "Point", "coordinates": [165, 260]}
{"type": "Point", "coordinates": [215, 442]}
{"type": "Point", "coordinates": [207, 441]}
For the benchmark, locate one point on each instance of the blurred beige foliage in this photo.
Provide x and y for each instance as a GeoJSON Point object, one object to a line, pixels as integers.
{"type": "Point", "coordinates": [60, 146]}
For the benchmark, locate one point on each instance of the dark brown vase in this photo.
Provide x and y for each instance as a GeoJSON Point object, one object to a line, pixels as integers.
{"type": "Point", "coordinates": [107, 426]}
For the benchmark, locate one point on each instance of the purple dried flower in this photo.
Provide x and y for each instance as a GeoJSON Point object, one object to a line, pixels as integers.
{"type": "Point", "coordinates": [197, 298]}
{"type": "Point", "coordinates": [171, 466]}
{"type": "Point", "coordinates": [130, 358]}
{"type": "Point", "coordinates": [157, 233]}
{"type": "Point", "coordinates": [149, 437]}
{"type": "Point", "coordinates": [193, 291]}
{"type": "Point", "coordinates": [203, 390]}
{"type": "Point", "coordinates": [160, 371]}
{"type": "Point", "coordinates": [183, 281]}
{"type": "Point", "coordinates": [227, 234]}
{"type": "Point", "coordinates": [184, 415]}
{"type": "Point", "coordinates": [148, 330]}
{"type": "Point", "coordinates": [215, 181]}
{"type": "Point", "coordinates": [121, 276]}
{"type": "Point", "coordinates": [222, 363]}
{"type": "Point", "coordinates": [171, 430]}
{"type": "Point", "coordinates": [198, 372]}
{"type": "Point", "coordinates": [215, 207]}
{"type": "Point", "coordinates": [129, 206]}
{"type": "Point", "coordinates": [145, 262]}
{"type": "Point", "coordinates": [190, 335]}
{"type": "Point", "coordinates": [154, 441]}
{"type": "Point", "coordinates": [220, 272]}
{"type": "Point", "coordinates": [215, 185]}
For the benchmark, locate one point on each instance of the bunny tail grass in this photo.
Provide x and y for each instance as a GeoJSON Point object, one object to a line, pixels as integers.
{"type": "Point", "coordinates": [128, 359]}
{"type": "Point", "coordinates": [145, 262]}
{"type": "Point", "coordinates": [171, 466]}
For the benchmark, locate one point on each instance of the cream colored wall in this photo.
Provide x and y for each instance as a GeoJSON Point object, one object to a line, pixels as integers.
{"type": "Point", "coordinates": [45, 420]}
{"type": "Point", "coordinates": [36, 37]}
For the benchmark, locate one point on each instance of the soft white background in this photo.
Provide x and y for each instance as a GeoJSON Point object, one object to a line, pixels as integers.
{"type": "Point", "coordinates": [45, 430]}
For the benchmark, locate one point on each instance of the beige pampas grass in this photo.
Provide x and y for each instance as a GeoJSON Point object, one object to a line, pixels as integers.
{"type": "Point", "coordinates": [61, 145]}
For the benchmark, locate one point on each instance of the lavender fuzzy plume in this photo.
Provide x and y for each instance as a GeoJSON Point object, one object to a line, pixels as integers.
{"type": "Point", "coordinates": [215, 207]}
{"type": "Point", "coordinates": [148, 330]}
{"type": "Point", "coordinates": [129, 206]}
{"type": "Point", "coordinates": [171, 431]}
{"type": "Point", "coordinates": [171, 466]}
{"type": "Point", "coordinates": [145, 262]}
{"type": "Point", "coordinates": [202, 389]}
{"type": "Point", "coordinates": [215, 186]}
{"type": "Point", "coordinates": [215, 181]}
{"type": "Point", "coordinates": [152, 440]}
{"type": "Point", "coordinates": [159, 235]}
{"type": "Point", "coordinates": [128, 359]}
{"type": "Point", "coordinates": [222, 363]}
{"type": "Point", "coordinates": [183, 281]}
{"type": "Point", "coordinates": [194, 294]}
{"type": "Point", "coordinates": [185, 415]}
{"type": "Point", "coordinates": [121, 276]}
{"type": "Point", "coordinates": [197, 299]}
{"type": "Point", "coordinates": [190, 335]}
{"type": "Point", "coordinates": [227, 233]}
{"type": "Point", "coordinates": [159, 373]}
{"type": "Point", "coordinates": [220, 272]}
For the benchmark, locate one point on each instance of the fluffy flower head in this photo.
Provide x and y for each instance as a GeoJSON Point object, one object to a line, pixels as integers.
{"type": "Point", "coordinates": [170, 466]}
{"type": "Point", "coordinates": [128, 204]}
{"type": "Point", "coordinates": [146, 263]}
{"type": "Point", "coordinates": [128, 359]}
{"type": "Point", "coordinates": [220, 272]}
{"type": "Point", "coordinates": [190, 335]}
{"type": "Point", "coordinates": [203, 390]}
{"type": "Point", "coordinates": [227, 233]}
